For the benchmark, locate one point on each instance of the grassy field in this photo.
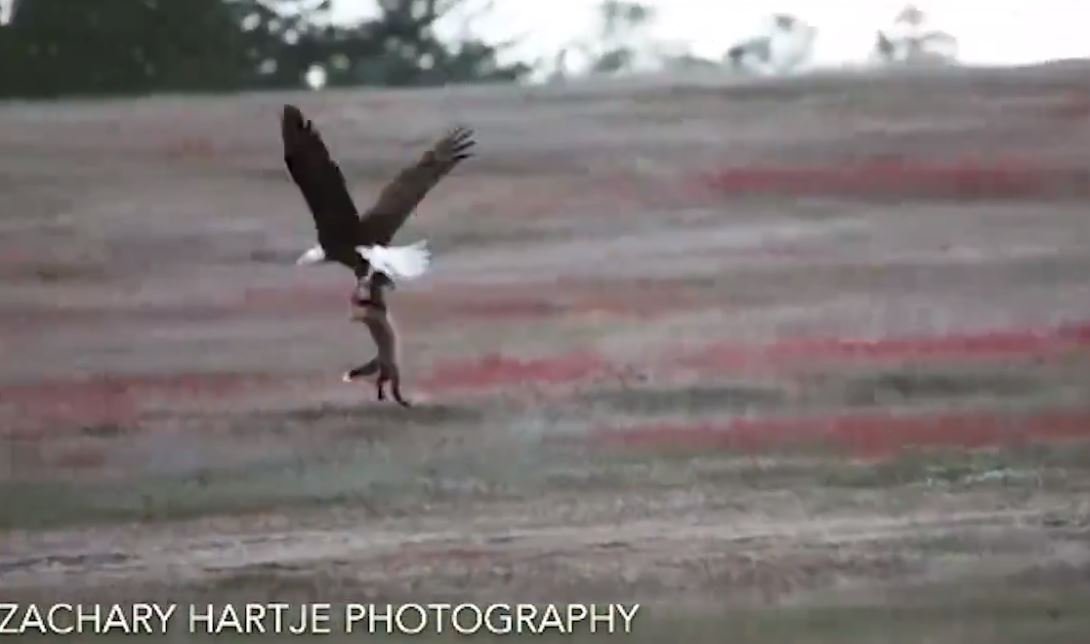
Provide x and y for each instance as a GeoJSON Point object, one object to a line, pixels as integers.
{"type": "Point", "coordinates": [801, 360]}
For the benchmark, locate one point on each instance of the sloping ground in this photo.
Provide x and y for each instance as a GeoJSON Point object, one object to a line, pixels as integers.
{"type": "Point", "coordinates": [815, 345]}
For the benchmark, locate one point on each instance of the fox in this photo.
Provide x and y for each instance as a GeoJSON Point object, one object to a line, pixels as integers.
{"type": "Point", "coordinates": [403, 262]}
{"type": "Point", "coordinates": [373, 312]}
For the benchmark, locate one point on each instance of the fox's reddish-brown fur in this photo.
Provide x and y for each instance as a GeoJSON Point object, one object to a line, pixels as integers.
{"type": "Point", "coordinates": [372, 312]}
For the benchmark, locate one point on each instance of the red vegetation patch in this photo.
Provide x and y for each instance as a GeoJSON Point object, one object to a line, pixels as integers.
{"type": "Point", "coordinates": [871, 435]}
{"type": "Point", "coordinates": [496, 370]}
{"type": "Point", "coordinates": [965, 346]}
{"type": "Point", "coordinates": [117, 400]}
{"type": "Point", "coordinates": [996, 344]}
{"type": "Point", "coordinates": [967, 178]}
{"type": "Point", "coordinates": [1076, 333]}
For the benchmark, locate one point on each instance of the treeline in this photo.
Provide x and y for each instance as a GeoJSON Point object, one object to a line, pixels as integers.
{"type": "Point", "coordinates": [98, 47]}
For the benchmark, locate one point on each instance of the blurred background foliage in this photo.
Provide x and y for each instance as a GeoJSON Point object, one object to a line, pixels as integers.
{"type": "Point", "coordinates": [52, 48]}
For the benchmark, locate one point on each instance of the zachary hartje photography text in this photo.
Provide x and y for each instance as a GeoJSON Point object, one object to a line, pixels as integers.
{"type": "Point", "coordinates": [317, 618]}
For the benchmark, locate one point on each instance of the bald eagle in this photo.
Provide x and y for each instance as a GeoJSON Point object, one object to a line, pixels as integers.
{"type": "Point", "coordinates": [361, 241]}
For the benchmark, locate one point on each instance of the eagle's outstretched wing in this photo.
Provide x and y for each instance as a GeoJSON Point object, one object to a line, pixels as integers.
{"type": "Point", "coordinates": [322, 184]}
{"type": "Point", "coordinates": [398, 199]}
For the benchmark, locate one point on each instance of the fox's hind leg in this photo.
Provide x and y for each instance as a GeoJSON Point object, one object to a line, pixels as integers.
{"type": "Point", "coordinates": [395, 379]}
{"type": "Point", "coordinates": [380, 384]}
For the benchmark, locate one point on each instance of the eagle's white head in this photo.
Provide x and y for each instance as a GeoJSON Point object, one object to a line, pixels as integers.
{"type": "Point", "coordinates": [315, 255]}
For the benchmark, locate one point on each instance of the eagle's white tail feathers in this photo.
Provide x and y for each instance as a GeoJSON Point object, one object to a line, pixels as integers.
{"type": "Point", "coordinates": [314, 255]}
{"type": "Point", "coordinates": [398, 262]}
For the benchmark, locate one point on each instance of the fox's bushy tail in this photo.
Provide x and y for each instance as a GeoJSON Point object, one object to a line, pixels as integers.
{"type": "Point", "coordinates": [365, 369]}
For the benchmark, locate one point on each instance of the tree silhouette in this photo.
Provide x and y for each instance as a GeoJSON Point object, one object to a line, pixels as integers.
{"type": "Point", "coordinates": [59, 47]}
{"type": "Point", "coordinates": [400, 47]}
{"type": "Point", "coordinates": [56, 47]}
{"type": "Point", "coordinates": [621, 20]}
{"type": "Point", "coordinates": [914, 43]}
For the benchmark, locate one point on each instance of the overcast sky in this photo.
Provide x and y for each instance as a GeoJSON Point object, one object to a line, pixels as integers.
{"type": "Point", "coordinates": [989, 31]}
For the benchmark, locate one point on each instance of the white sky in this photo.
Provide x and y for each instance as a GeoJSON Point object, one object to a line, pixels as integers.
{"type": "Point", "coordinates": [988, 31]}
